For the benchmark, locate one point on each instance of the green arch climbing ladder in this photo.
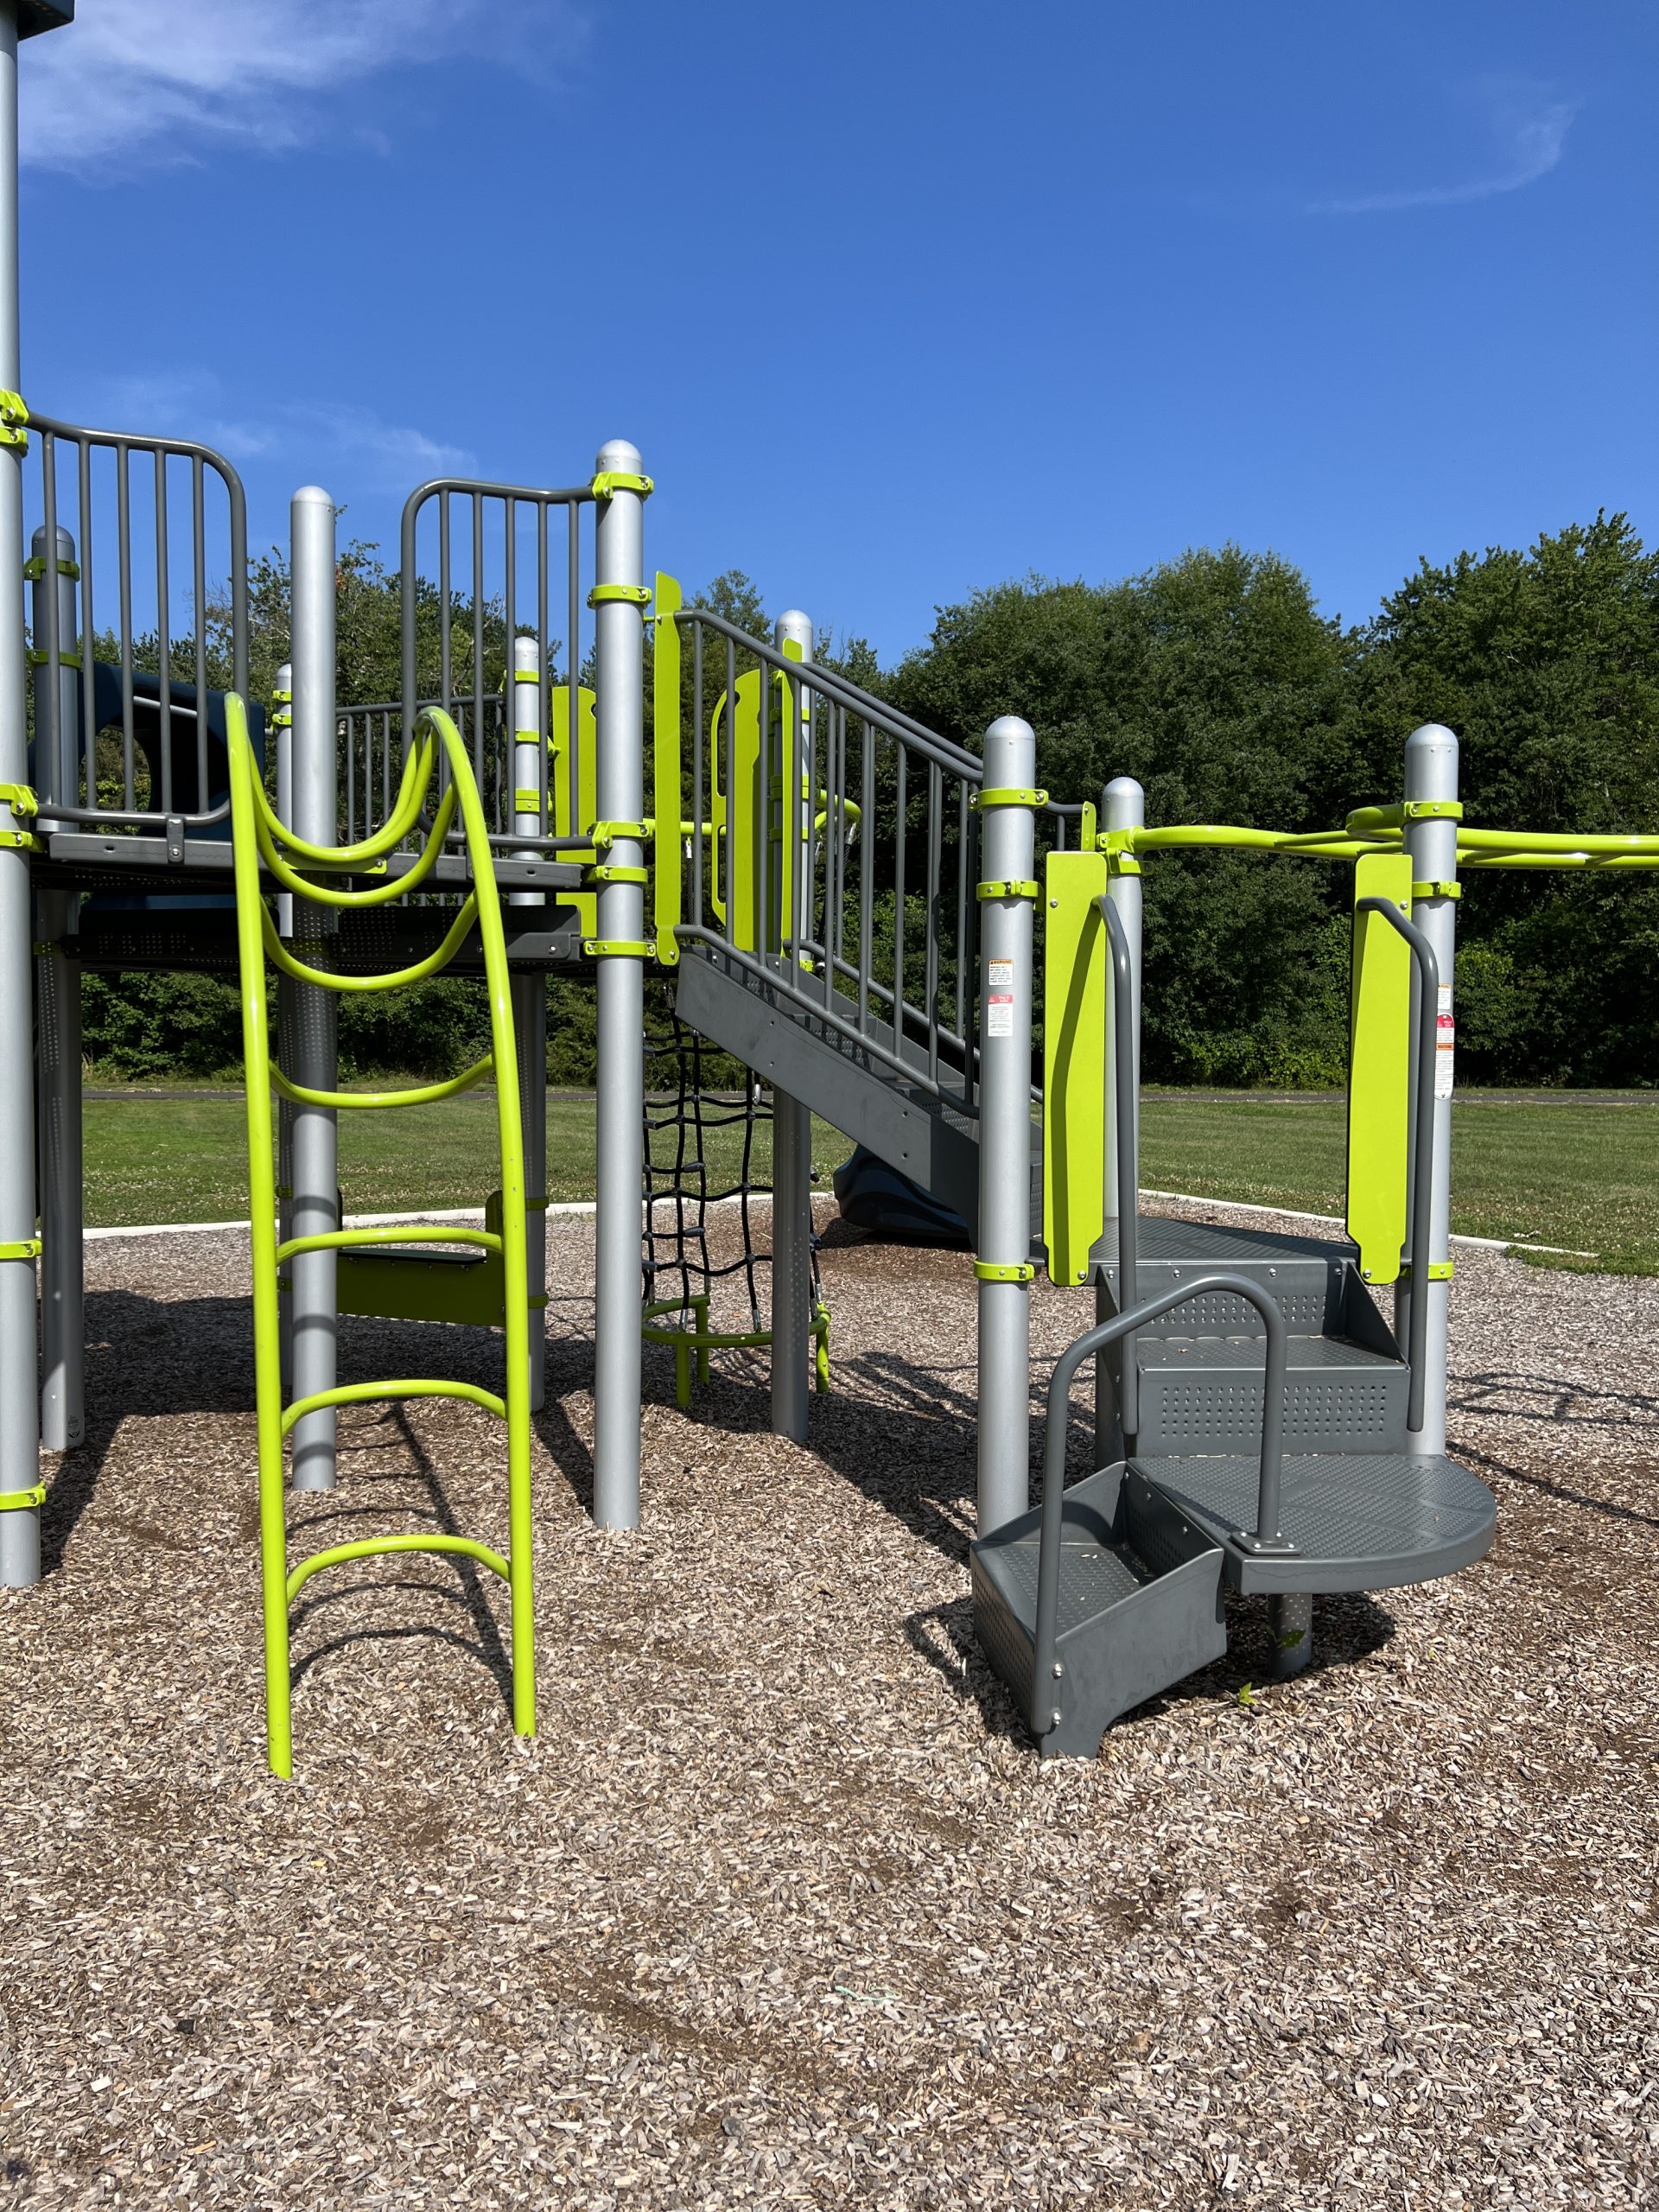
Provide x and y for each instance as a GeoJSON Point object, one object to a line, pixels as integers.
{"type": "Point", "coordinates": [261, 840]}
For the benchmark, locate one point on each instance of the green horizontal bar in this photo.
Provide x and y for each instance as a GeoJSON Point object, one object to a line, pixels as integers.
{"type": "Point", "coordinates": [379, 1547]}
{"type": "Point", "coordinates": [393, 979]}
{"type": "Point", "coordinates": [423, 1096]}
{"type": "Point", "coordinates": [374, 1393]}
{"type": "Point", "coordinates": [345, 1240]}
{"type": "Point", "coordinates": [1217, 836]}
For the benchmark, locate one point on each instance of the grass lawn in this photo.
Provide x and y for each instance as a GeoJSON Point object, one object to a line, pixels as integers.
{"type": "Point", "coordinates": [1574, 1171]}
{"type": "Point", "coordinates": [157, 1159]}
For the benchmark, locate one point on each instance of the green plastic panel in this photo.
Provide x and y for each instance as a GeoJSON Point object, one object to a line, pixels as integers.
{"type": "Point", "coordinates": [1074, 1061]}
{"type": "Point", "coordinates": [558, 776]}
{"type": "Point", "coordinates": [1379, 1070]}
{"type": "Point", "coordinates": [668, 868]}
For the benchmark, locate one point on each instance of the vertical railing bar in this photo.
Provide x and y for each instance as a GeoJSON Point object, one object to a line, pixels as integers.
{"type": "Point", "coordinates": [199, 587]}
{"type": "Point", "coordinates": [477, 641]}
{"type": "Point", "coordinates": [572, 668]}
{"type": "Point", "coordinates": [48, 694]}
{"type": "Point", "coordinates": [935, 801]}
{"type": "Point", "coordinates": [88, 705]}
{"type": "Point", "coordinates": [696, 775]}
{"type": "Point", "coordinates": [446, 673]}
{"type": "Point", "coordinates": [902, 751]}
{"type": "Point", "coordinates": [867, 849]}
{"type": "Point", "coordinates": [542, 660]}
{"type": "Point", "coordinates": [163, 641]}
{"type": "Point", "coordinates": [962, 908]}
{"type": "Point", "coordinates": [507, 808]}
{"type": "Point", "coordinates": [123, 553]}
{"type": "Point", "coordinates": [765, 886]}
{"type": "Point", "coordinates": [731, 787]}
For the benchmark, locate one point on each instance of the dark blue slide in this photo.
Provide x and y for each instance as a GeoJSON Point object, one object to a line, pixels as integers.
{"type": "Point", "coordinates": [873, 1196]}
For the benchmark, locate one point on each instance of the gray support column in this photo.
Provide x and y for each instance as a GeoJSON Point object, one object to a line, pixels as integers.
{"type": "Point", "coordinates": [1122, 806]}
{"type": "Point", "coordinates": [1432, 774]}
{"type": "Point", "coordinates": [63, 1335]}
{"type": "Point", "coordinates": [530, 1004]}
{"type": "Point", "coordinates": [282, 728]}
{"type": "Point", "coordinates": [792, 1130]}
{"type": "Point", "coordinates": [20, 1455]}
{"type": "Point", "coordinates": [618, 712]}
{"type": "Point", "coordinates": [1007, 857]}
{"type": "Point", "coordinates": [315, 1047]}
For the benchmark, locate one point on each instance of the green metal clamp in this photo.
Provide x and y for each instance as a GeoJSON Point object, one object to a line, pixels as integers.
{"type": "Point", "coordinates": [527, 675]}
{"type": "Point", "coordinates": [19, 797]}
{"type": "Point", "coordinates": [28, 1248]}
{"type": "Point", "coordinates": [619, 948]}
{"type": "Point", "coordinates": [1436, 891]}
{"type": "Point", "coordinates": [624, 594]}
{"type": "Point", "coordinates": [1006, 795]}
{"type": "Point", "coordinates": [604, 835]}
{"type": "Point", "coordinates": [604, 872]}
{"type": "Point", "coordinates": [1009, 887]}
{"type": "Point", "coordinates": [610, 480]}
{"type": "Point", "coordinates": [34, 569]}
{"type": "Point", "coordinates": [13, 417]}
{"type": "Point", "coordinates": [37, 656]}
{"type": "Point", "coordinates": [20, 1501]}
{"type": "Point", "coordinates": [997, 1271]}
{"type": "Point", "coordinates": [1439, 1271]}
{"type": "Point", "coordinates": [528, 802]}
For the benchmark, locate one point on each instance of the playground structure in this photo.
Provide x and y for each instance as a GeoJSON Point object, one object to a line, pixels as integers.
{"type": "Point", "coordinates": [844, 900]}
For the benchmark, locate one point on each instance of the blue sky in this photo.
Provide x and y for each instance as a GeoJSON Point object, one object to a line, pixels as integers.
{"type": "Point", "coordinates": [896, 300]}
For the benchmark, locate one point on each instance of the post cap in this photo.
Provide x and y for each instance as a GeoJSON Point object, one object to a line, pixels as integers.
{"type": "Point", "coordinates": [617, 457]}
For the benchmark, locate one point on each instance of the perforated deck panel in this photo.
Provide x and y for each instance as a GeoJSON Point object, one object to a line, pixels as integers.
{"type": "Point", "coordinates": [1204, 1394]}
{"type": "Point", "coordinates": [1364, 1521]}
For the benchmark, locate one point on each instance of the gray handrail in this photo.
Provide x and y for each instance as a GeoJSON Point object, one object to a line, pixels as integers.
{"type": "Point", "coordinates": [1422, 1163]}
{"type": "Point", "coordinates": [1265, 1536]}
{"type": "Point", "coordinates": [1124, 1074]}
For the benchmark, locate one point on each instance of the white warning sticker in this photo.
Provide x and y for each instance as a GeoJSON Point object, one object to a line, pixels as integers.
{"type": "Point", "coordinates": [1445, 1045]}
{"type": "Point", "coordinates": [1001, 976]}
{"type": "Point", "coordinates": [999, 1010]}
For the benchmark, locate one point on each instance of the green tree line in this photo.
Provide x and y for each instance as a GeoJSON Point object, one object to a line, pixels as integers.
{"type": "Point", "coordinates": [1216, 681]}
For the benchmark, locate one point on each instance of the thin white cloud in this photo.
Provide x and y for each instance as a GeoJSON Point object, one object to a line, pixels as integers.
{"type": "Point", "coordinates": [1531, 136]}
{"type": "Point", "coordinates": [137, 82]}
{"type": "Point", "coordinates": [320, 438]}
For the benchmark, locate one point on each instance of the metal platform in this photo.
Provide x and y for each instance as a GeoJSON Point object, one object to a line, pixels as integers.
{"type": "Point", "coordinates": [1360, 1521]}
{"type": "Point", "coordinates": [1310, 1276]}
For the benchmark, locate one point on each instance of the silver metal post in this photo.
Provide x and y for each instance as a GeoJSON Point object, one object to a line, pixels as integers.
{"type": "Point", "coordinates": [792, 1129]}
{"type": "Point", "coordinates": [63, 1335]}
{"type": "Point", "coordinates": [529, 1006]}
{"type": "Point", "coordinates": [20, 1454]}
{"type": "Point", "coordinates": [1008, 849]}
{"type": "Point", "coordinates": [315, 1051]}
{"type": "Point", "coordinates": [281, 726]}
{"type": "Point", "coordinates": [618, 712]}
{"type": "Point", "coordinates": [1431, 841]}
{"type": "Point", "coordinates": [1122, 806]}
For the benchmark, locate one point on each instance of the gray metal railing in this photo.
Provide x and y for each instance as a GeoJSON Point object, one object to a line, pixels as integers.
{"type": "Point", "coordinates": [859, 843]}
{"type": "Point", "coordinates": [189, 655]}
{"type": "Point", "coordinates": [508, 588]}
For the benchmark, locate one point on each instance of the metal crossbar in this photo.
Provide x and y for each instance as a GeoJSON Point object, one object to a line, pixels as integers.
{"type": "Point", "coordinates": [261, 838]}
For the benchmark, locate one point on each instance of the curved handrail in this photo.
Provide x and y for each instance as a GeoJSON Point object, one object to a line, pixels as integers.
{"type": "Point", "coordinates": [258, 835]}
{"type": "Point", "coordinates": [1422, 1147]}
{"type": "Point", "coordinates": [1264, 1538]}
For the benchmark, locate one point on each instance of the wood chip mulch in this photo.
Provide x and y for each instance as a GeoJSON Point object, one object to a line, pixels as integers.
{"type": "Point", "coordinates": [780, 1908]}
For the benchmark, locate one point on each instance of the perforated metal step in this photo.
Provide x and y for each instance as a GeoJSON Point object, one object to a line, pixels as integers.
{"type": "Point", "coordinates": [1308, 1275]}
{"type": "Point", "coordinates": [1204, 1394]}
{"type": "Point", "coordinates": [1139, 1606]}
{"type": "Point", "coordinates": [1365, 1521]}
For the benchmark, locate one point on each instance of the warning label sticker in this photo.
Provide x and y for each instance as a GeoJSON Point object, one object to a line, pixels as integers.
{"type": "Point", "coordinates": [1446, 1042]}
{"type": "Point", "coordinates": [999, 1009]}
{"type": "Point", "coordinates": [1002, 974]}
